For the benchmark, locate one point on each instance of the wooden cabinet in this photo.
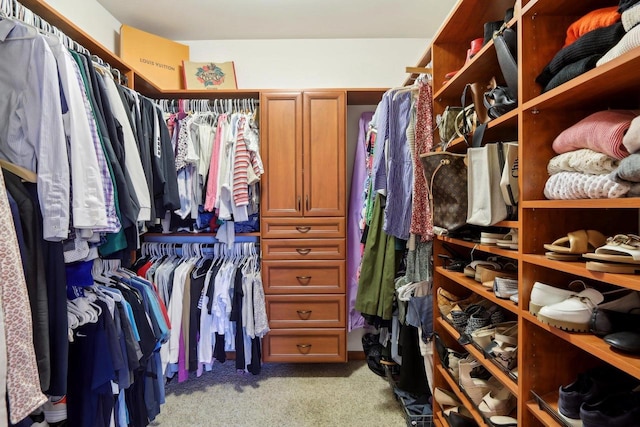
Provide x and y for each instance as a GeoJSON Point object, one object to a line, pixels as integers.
{"type": "Point", "coordinates": [303, 224]}
{"type": "Point", "coordinates": [304, 157]}
{"type": "Point", "coordinates": [547, 357]}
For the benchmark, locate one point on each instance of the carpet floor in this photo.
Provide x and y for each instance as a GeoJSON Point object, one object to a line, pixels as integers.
{"type": "Point", "coordinates": [283, 395]}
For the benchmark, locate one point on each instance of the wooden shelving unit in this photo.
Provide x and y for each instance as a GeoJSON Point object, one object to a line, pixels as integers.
{"type": "Point", "coordinates": [548, 357]}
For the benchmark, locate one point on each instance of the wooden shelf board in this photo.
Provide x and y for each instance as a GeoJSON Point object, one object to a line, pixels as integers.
{"type": "Point", "coordinates": [471, 284]}
{"type": "Point", "coordinates": [593, 345]}
{"type": "Point", "coordinates": [559, 7]}
{"type": "Point", "coordinates": [424, 60]}
{"type": "Point", "coordinates": [541, 414]}
{"type": "Point", "coordinates": [506, 121]}
{"type": "Point", "coordinates": [439, 420]}
{"type": "Point", "coordinates": [364, 96]}
{"type": "Point", "coordinates": [626, 203]}
{"type": "Point", "coordinates": [630, 281]}
{"type": "Point", "coordinates": [508, 253]}
{"type": "Point", "coordinates": [616, 78]}
{"type": "Point", "coordinates": [481, 67]}
{"type": "Point", "coordinates": [466, 402]}
{"type": "Point", "coordinates": [488, 364]}
{"type": "Point", "coordinates": [464, 22]}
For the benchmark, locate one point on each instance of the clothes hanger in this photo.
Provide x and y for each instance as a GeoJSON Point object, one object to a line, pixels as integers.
{"type": "Point", "coordinates": [24, 173]}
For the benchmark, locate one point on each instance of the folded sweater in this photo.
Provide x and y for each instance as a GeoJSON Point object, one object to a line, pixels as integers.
{"type": "Point", "coordinates": [626, 4]}
{"type": "Point", "coordinates": [630, 41]}
{"type": "Point", "coordinates": [573, 70]}
{"type": "Point", "coordinates": [595, 19]}
{"type": "Point", "coordinates": [631, 17]}
{"type": "Point", "coordinates": [594, 42]}
{"type": "Point", "coordinates": [602, 131]}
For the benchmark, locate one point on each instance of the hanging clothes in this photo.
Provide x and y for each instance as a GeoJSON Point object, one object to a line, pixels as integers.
{"type": "Point", "coordinates": [356, 203]}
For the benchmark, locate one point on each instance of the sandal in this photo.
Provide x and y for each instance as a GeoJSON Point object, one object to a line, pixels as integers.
{"type": "Point", "coordinates": [497, 402]}
{"type": "Point", "coordinates": [624, 248]}
{"type": "Point", "coordinates": [510, 241]}
{"type": "Point", "coordinates": [577, 242]}
{"type": "Point", "coordinates": [610, 267]}
{"type": "Point", "coordinates": [471, 268]}
{"type": "Point", "coordinates": [445, 397]}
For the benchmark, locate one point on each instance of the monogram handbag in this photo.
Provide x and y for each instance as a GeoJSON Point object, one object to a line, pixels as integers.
{"type": "Point", "coordinates": [446, 175]}
{"type": "Point", "coordinates": [447, 125]}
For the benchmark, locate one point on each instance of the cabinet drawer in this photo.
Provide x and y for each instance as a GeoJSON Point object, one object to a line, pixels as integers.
{"type": "Point", "coordinates": [303, 228]}
{"type": "Point", "coordinates": [305, 345]}
{"type": "Point", "coordinates": [303, 277]}
{"type": "Point", "coordinates": [306, 311]}
{"type": "Point", "coordinates": [303, 249]}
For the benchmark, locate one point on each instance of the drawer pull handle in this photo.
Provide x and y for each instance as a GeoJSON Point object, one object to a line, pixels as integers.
{"type": "Point", "coordinates": [303, 229]}
{"type": "Point", "coordinates": [299, 203]}
{"type": "Point", "coordinates": [304, 280]}
{"type": "Point", "coordinates": [307, 202]}
{"type": "Point", "coordinates": [304, 348]}
{"type": "Point", "coordinates": [304, 314]}
{"type": "Point", "coordinates": [303, 251]}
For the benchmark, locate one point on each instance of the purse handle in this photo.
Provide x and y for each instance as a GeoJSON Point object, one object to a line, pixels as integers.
{"type": "Point", "coordinates": [506, 43]}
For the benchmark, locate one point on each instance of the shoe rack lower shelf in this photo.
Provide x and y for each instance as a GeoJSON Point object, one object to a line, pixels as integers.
{"type": "Point", "coordinates": [594, 345]}
{"type": "Point", "coordinates": [496, 250]}
{"type": "Point", "coordinates": [543, 416]}
{"type": "Point", "coordinates": [462, 397]}
{"type": "Point", "coordinates": [480, 357]}
{"type": "Point", "coordinates": [477, 288]}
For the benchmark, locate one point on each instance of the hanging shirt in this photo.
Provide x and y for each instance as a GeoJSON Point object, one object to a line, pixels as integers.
{"type": "Point", "coordinates": [87, 193]}
{"type": "Point", "coordinates": [32, 132]}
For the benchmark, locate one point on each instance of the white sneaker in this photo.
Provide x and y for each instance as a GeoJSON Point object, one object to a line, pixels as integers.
{"type": "Point", "coordinates": [542, 295]}
{"type": "Point", "coordinates": [574, 313]}
{"type": "Point", "coordinates": [55, 410]}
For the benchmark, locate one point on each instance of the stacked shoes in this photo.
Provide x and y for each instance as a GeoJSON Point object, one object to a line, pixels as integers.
{"type": "Point", "coordinates": [602, 396]}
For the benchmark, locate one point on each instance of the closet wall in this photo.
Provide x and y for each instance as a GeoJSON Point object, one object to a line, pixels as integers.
{"type": "Point", "coordinates": [283, 64]}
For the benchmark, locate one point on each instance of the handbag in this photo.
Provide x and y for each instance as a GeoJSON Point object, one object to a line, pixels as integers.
{"type": "Point", "coordinates": [506, 44]}
{"type": "Point", "coordinates": [486, 205]}
{"type": "Point", "coordinates": [446, 176]}
{"type": "Point", "coordinates": [446, 125]}
{"type": "Point", "coordinates": [509, 179]}
{"type": "Point", "coordinates": [498, 100]}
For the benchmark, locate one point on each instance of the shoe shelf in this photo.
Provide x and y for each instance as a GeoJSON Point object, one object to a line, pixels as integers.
{"type": "Point", "coordinates": [504, 128]}
{"type": "Point", "coordinates": [579, 269]}
{"type": "Point", "coordinates": [547, 418]}
{"type": "Point", "coordinates": [593, 345]}
{"type": "Point", "coordinates": [477, 288]}
{"type": "Point", "coordinates": [485, 360]}
{"type": "Point", "coordinates": [495, 250]}
{"type": "Point", "coordinates": [462, 396]}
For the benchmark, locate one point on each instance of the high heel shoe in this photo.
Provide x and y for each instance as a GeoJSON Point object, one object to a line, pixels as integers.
{"type": "Point", "coordinates": [445, 397]}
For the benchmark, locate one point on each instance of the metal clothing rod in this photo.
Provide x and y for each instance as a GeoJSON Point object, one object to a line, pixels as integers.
{"type": "Point", "coordinates": [15, 10]}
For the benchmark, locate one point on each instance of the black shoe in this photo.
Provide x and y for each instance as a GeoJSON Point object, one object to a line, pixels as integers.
{"type": "Point", "coordinates": [617, 410]}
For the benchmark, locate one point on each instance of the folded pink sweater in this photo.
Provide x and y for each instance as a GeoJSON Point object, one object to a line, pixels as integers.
{"type": "Point", "coordinates": [602, 132]}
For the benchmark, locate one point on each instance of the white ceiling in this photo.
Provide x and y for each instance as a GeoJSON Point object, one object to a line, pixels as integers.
{"type": "Point", "coordinates": [282, 19]}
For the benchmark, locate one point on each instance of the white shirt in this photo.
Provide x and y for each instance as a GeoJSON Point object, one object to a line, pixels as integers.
{"type": "Point", "coordinates": [87, 193]}
{"type": "Point", "coordinates": [132, 160]}
{"type": "Point", "coordinates": [31, 131]}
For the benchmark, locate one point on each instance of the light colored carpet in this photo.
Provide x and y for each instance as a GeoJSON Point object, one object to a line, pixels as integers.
{"type": "Point", "coordinates": [283, 395]}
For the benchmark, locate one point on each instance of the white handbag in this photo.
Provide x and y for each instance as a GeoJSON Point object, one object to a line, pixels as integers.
{"type": "Point", "coordinates": [486, 206]}
{"type": "Point", "coordinates": [509, 179]}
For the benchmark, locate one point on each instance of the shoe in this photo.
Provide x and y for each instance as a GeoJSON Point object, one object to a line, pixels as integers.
{"type": "Point", "coordinates": [475, 379]}
{"type": "Point", "coordinates": [510, 240]}
{"type": "Point", "coordinates": [626, 341]}
{"type": "Point", "coordinates": [497, 402]}
{"type": "Point", "coordinates": [616, 410]}
{"type": "Point", "coordinates": [574, 313]}
{"type": "Point", "coordinates": [504, 347]}
{"type": "Point", "coordinates": [456, 419]}
{"type": "Point", "coordinates": [503, 421]}
{"type": "Point", "coordinates": [543, 294]}
{"type": "Point", "coordinates": [445, 397]}
{"type": "Point", "coordinates": [470, 269]}
{"type": "Point", "coordinates": [591, 387]}
{"type": "Point", "coordinates": [577, 242]}
{"type": "Point", "coordinates": [618, 316]}
{"type": "Point", "coordinates": [623, 248]}
{"type": "Point", "coordinates": [55, 409]}
{"type": "Point", "coordinates": [505, 287]}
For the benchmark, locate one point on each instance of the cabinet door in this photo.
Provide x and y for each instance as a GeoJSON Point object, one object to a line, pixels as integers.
{"type": "Point", "coordinates": [324, 152]}
{"type": "Point", "coordinates": [281, 145]}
